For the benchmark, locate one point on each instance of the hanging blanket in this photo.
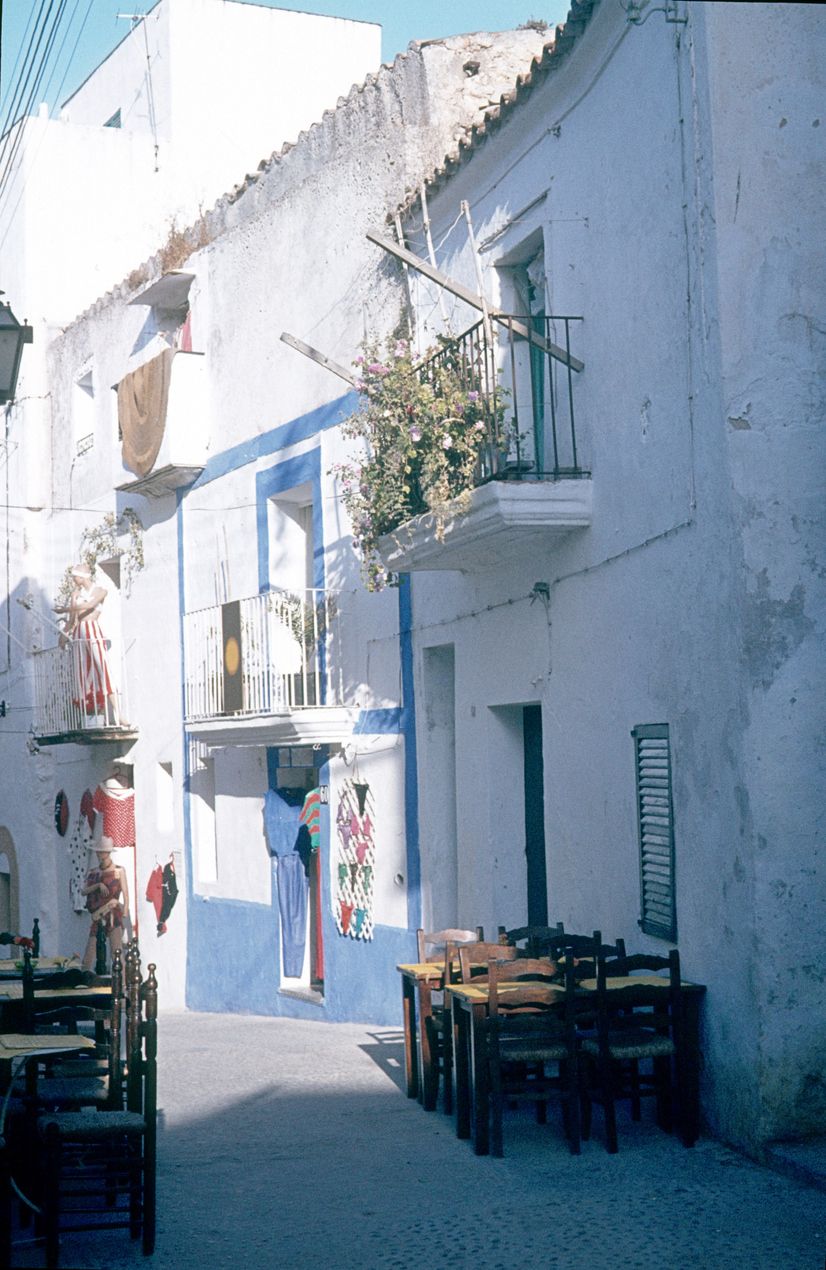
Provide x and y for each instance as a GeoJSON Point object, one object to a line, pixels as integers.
{"type": "Point", "coordinates": [142, 399]}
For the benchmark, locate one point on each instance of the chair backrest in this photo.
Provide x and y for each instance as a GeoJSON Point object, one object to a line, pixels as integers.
{"type": "Point", "coordinates": [538, 977]}
{"type": "Point", "coordinates": [534, 938]}
{"type": "Point", "coordinates": [134, 1004]}
{"type": "Point", "coordinates": [616, 1006]}
{"type": "Point", "coordinates": [474, 959]}
{"type": "Point", "coordinates": [436, 941]}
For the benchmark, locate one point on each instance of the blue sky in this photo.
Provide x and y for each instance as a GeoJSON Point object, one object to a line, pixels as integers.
{"type": "Point", "coordinates": [86, 45]}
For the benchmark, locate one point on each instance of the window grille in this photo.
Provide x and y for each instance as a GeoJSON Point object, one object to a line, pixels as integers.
{"type": "Point", "coordinates": [656, 830]}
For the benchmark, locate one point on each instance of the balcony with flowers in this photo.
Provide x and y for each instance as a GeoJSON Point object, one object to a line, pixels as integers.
{"type": "Point", "coordinates": [468, 454]}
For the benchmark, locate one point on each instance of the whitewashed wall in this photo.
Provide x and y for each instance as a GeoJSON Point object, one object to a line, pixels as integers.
{"type": "Point", "coordinates": [669, 171]}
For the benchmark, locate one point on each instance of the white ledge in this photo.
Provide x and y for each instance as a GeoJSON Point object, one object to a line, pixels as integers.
{"type": "Point", "coordinates": [316, 725]}
{"type": "Point", "coordinates": [501, 518]}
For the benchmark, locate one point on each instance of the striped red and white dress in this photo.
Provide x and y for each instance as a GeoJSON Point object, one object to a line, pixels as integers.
{"type": "Point", "coordinates": [95, 687]}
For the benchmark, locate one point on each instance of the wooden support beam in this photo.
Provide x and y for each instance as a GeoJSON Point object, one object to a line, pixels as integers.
{"type": "Point", "coordinates": [475, 301]}
{"type": "Point", "coordinates": [315, 356]}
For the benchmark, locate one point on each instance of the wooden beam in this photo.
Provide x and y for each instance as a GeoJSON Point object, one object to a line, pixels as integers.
{"type": "Point", "coordinates": [475, 301]}
{"type": "Point", "coordinates": [315, 356]}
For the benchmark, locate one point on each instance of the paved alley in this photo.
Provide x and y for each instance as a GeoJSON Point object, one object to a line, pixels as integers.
{"type": "Point", "coordinates": [290, 1144]}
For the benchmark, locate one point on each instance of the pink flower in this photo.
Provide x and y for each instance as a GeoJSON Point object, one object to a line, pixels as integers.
{"type": "Point", "coordinates": [473, 396]}
{"type": "Point", "coordinates": [479, 426]}
{"type": "Point", "coordinates": [447, 442]}
{"type": "Point", "coordinates": [376, 368]}
{"type": "Point", "coordinates": [415, 434]}
{"type": "Point", "coordinates": [359, 361]}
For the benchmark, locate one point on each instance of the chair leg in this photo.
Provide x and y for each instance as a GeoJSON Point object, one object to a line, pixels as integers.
{"type": "Point", "coordinates": [430, 1076]}
{"type": "Point", "coordinates": [662, 1078]}
{"type": "Point", "coordinates": [585, 1099]}
{"type": "Point", "coordinates": [570, 1082]}
{"type": "Point", "coordinates": [447, 1066]}
{"type": "Point", "coordinates": [634, 1086]}
{"type": "Point", "coordinates": [606, 1082]}
{"type": "Point", "coordinates": [51, 1197]}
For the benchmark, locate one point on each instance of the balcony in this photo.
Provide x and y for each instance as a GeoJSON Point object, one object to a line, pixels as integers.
{"type": "Point", "coordinates": [530, 489]}
{"type": "Point", "coordinates": [79, 695]}
{"type": "Point", "coordinates": [185, 441]}
{"type": "Point", "coordinates": [266, 670]}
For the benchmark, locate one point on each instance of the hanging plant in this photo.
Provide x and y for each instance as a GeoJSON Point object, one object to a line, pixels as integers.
{"type": "Point", "coordinates": [424, 431]}
{"type": "Point", "coordinates": [103, 542]}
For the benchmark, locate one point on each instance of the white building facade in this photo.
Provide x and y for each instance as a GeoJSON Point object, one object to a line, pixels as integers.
{"type": "Point", "coordinates": [616, 662]}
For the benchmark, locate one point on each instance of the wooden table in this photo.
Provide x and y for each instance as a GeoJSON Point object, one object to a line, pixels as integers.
{"type": "Point", "coordinates": [12, 1007]}
{"type": "Point", "coordinates": [13, 967]}
{"type": "Point", "coordinates": [15, 1047]}
{"type": "Point", "coordinates": [419, 981]}
{"type": "Point", "coordinates": [469, 1005]}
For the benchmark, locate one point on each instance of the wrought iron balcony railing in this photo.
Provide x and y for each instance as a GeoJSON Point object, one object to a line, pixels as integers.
{"type": "Point", "coordinates": [525, 382]}
{"type": "Point", "coordinates": [288, 655]}
{"type": "Point", "coordinates": [79, 691]}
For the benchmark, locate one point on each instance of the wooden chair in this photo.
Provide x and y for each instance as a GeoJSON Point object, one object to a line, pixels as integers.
{"type": "Point", "coordinates": [529, 1030]}
{"type": "Point", "coordinates": [96, 1079]}
{"type": "Point", "coordinates": [533, 938]}
{"type": "Point", "coordinates": [431, 944]}
{"type": "Point", "coordinates": [440, 945]}
{"type": "Point", "coordinates": [474, 959]}
{"type": "Point", "coordinates": [635, 1023]}
{"type": "Point", "coordinates": [99, 1166]}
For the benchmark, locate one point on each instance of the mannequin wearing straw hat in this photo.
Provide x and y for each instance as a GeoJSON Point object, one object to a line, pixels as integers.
{"type": "Point", "coordinates": [81, 624]}
{"type": "Point", "coordinates": [107, 899]}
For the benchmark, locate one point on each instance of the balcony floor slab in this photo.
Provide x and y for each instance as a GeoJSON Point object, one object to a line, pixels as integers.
{"type": "Point", "coordinates": [316, 725]}
{"type": "Point", "coordinates": [502, 518]}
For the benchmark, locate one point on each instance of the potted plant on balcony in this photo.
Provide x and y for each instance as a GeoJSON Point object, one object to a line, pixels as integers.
{"type": "Point", "coordinates": [425, 426]}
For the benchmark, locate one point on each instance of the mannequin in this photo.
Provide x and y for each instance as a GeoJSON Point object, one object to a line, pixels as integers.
{"type": "Point", "coordinates": [81, 624]}
{"type": "Point", "coordinates": [107, 899]}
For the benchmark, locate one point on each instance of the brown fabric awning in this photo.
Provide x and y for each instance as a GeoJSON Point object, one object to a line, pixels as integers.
{"type": "Point", "coordinates": [142, 399]}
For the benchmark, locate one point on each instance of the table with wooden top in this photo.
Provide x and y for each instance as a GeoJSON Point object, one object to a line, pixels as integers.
{"type": "Point", "coordinates": [22, 1047]}
{"type": "Point", "coordinates": [419, 981]}
{"type": "Point", "coordinates": [469, 1005]}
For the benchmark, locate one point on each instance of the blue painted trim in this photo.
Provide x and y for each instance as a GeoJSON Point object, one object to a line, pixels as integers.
{"type": "Point", "coordinates": [377, 722]}
{"type": "Point", "coordinates": [226, 902]}
{"type": "Point", "coordinates": [304, 469]}
{"type": "Point", "coordinates": [411, 778]}
{"type": "Point", "coordinates": [300, 429]}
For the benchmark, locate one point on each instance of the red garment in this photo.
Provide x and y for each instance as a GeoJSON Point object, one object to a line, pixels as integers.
{"type": "Point", "coordinates": [118, 807]}
{"type": "Point", "coordinates": [155, 890]}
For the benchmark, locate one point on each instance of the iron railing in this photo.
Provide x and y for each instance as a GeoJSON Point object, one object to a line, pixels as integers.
{"type": "Point", "coordinates": [523, 370]}
{"type": "Point", "coordinates": [289, 655]}
{"type": "Point", "coordinates": [78, 688]}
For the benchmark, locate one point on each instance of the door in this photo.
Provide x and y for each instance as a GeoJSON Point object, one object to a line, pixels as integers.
{"type": "Point", "coordinates": [534, 777]}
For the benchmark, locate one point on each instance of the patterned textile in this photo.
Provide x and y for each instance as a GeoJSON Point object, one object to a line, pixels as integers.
{"type": "Point", "coordinates": [79, 846]}
{"type": "Point", "coordinates": [118, 808]}
{"type": "Point", "coordinates": [93, 682]}
{"type": "Point", "coordinates": [311, 816]}
{"type": "Point", "coordinates": [353, 904]}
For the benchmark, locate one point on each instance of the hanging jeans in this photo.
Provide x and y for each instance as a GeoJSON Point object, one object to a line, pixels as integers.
{"type": "Point", "coordinates": [292, 905]}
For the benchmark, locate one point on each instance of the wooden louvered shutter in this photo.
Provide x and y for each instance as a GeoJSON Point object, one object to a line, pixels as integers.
{"type": "Point", "coordinates": [656, 827]}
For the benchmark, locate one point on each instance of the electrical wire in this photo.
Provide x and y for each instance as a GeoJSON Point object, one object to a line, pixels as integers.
{"type": "Point", "coordinates": [9, 153]}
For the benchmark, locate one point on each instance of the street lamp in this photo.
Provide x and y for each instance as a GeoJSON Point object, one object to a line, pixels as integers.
{"type": "Point", "coordinates": [12, 338]}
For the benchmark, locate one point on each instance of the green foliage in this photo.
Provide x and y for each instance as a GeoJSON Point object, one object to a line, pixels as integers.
{"type": "Point", "coordinates": [424, 430]}
{"type": "Point", "coordinates": [101, 542]}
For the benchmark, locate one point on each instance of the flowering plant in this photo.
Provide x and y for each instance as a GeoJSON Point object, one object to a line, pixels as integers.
{"type": "Point", "coordinates": [425, 430]}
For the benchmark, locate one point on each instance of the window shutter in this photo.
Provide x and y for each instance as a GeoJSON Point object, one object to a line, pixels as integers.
{"type": "Point", "coordinates": [656, 829]}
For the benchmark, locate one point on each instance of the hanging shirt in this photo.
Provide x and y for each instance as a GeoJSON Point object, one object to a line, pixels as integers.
{"type": "Point", "coordinates": [281, 824]}
{"type": "Point", "coordinates": [118, 807]}
{"type": "Point", "coordinates": [79, 846]}
{"type": "Point", "coordinates": [311, 816]}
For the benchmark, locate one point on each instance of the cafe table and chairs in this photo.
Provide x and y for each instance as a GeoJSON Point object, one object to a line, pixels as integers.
{"type": "Point", "coordinates": [420, 980]}
{"type": "Point", "coordinates": [470, 1007]}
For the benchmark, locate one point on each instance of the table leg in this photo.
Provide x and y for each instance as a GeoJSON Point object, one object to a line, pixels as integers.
{"type": "Point", "coordinates": [426, 1066]}
{"type": "Point", "coordinates": [480, 1083]}
{"type": "Point", "coordinates": [688, 1070]}
{"type": "Point", "coordinates": [461, 1047]}
{"type": "Point", "coordinates": [411, 1048]}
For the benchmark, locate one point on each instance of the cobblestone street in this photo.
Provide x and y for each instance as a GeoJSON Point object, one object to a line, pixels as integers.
{"type": "Point", "coordinates": [290, 1144]}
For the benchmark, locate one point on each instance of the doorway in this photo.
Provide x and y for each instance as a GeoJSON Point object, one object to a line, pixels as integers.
{"type": "Point", "coordinates": [534, 789]}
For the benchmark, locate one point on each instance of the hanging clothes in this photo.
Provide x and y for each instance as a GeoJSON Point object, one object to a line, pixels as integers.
{"type": "Point", "coordinates": [311, 816]}
{"type": "Point", "coordinates": [170, 893]}
{"type": "Point", "coordinates": [281, 823]}
{"type": "Point", "coordinates": [154, 893]}
{"type": "Point", "coordinates": [80, 845]}
{"type": "Point", "coordinates": [292, 906]}
{"type": "Point", "coordinates": [117, 805]}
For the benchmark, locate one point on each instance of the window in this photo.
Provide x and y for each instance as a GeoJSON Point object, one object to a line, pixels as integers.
{"type": "Point", "coordinates": [83, 413]}
{"type": "Point", "coordinates": [656, 829]}
{"type": "Point", "coordinates": [114, 121]}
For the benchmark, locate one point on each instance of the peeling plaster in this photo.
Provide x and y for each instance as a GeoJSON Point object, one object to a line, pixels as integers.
{"type": "Point", "coordinates": [773, 630]}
